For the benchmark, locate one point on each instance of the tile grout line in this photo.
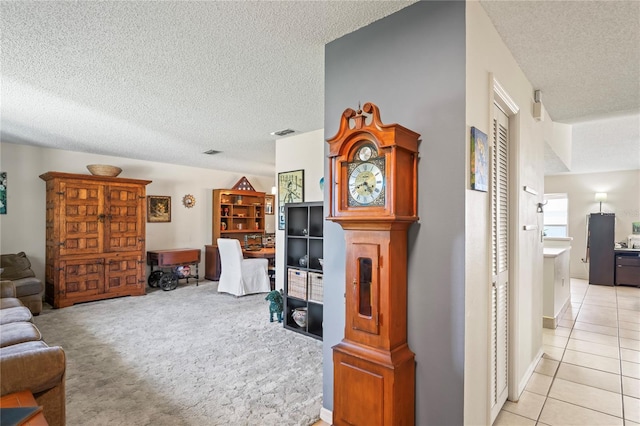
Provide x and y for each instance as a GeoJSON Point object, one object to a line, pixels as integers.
{"type": "Point", "coordinates": [555, 373]}
{"type": "Point", "coordinates": [619, 359]}
{"type": "Point", "coordinates": [619, 355]}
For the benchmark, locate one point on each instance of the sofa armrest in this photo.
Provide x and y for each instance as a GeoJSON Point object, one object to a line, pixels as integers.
{"type": "Point", "coordinates": [7, 289]}
{"type": "Point", "coordinates": [37, 370]}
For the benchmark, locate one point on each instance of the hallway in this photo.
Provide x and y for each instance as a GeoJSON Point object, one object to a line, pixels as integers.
{"type": "Point", "coordinates": [590, 371]}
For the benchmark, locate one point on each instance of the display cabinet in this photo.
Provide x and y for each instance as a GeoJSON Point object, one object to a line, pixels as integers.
{"type": "Point", "coordinates": [303, 286]}
{"type": "Point", "coordinates": [236, 214]}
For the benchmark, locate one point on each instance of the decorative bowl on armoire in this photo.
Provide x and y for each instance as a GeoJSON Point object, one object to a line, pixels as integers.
{"type": "Point", "coordinates": [104, 170]}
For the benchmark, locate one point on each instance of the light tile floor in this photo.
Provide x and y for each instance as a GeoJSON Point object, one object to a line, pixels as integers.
{"type": "Point", "coordinates": [590, 371]}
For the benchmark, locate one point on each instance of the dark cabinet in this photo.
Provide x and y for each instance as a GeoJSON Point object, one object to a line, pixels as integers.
{"type": "Point", "coordinates": [303, 286]}
{"type": "Point", "coordinates": [627, 268]}
{"type": "Point", "coordinates": [601, 247]}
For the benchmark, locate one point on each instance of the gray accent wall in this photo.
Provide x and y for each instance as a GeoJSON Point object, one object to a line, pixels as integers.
{"type": "Point", "coordinates": [412, 65]}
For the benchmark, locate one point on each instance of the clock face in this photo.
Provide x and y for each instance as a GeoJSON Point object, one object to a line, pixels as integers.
{"type": "Point", "coordinates": [365, 153]}
{"type": "Point", "coordinates": [366, 183]}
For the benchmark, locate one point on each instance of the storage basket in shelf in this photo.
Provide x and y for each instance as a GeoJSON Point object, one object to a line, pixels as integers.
{"type": "Point", "coordinates": [297, 283]}
{"type": "Point", "coordinates": [316, 289]}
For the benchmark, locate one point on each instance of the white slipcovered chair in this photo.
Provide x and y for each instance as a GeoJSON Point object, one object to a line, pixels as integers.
{"type": "Point", "coordinates": [241, 276]}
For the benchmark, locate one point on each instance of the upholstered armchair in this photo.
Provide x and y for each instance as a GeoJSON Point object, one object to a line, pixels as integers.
{"type": "Point", "coordinates": [28, 288]}
{"type": "Point", "coordinates": [241, 276]}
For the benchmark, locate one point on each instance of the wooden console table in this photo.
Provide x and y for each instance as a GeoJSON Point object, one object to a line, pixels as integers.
{"type": "Point", "coordinates": [266, 253]}
{"type": "Point", "coordinates": [175, 257]}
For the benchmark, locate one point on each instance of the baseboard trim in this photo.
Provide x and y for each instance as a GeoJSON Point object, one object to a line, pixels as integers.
{"type": "Point", "coordinates": [326, 415]}
{"type": "Point", "coordinates": [527, 375]}
{"type": "Point", "coordinates": [552, 323]}
{"type": "Point", "coordinates": [549, 322]}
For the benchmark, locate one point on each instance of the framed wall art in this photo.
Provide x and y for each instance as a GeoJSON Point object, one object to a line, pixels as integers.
{"type": "Point", "coordinates": [479, 161]}
{"type": "Point", "coordinates": [290, 190]}
{"type": "Point", "coordinates": [268, 204]}
{"type": "Point", "coordinates": [3, 192]}
{"type": "Point", "coordinates": [158, 208]}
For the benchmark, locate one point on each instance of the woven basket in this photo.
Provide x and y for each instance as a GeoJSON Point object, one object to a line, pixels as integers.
{"type": "Point", "coordinates": [297, 283]}
{"type": "Point", "coordinates": [316, 289]}
{"type": "Point", "coordinates": [104, 170]}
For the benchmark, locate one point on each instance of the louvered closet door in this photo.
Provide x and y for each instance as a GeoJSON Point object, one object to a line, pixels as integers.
{"type": "Point", "coordinates": [500, 260]}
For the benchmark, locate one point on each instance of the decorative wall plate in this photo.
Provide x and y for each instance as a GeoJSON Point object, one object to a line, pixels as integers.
{"type": "Point", "coordinates": [189, 201]}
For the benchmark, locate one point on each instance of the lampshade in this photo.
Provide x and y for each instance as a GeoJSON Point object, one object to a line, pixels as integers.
{"type": "Point", "coordinates": [601, 197]}
{"type": "Point", "coordinates": [273, 190]}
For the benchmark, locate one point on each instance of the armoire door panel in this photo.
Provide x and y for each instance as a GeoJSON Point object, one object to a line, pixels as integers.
{"type": "Point", "coordinates": [80, 278]}
{"type": "Point", "coordinates": [81, 224]}
{"type": "Point", "coordinates": [125, 218]}
{"type": "Point", "coordinates": [123, 274]}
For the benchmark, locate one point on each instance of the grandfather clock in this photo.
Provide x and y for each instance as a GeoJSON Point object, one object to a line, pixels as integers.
{"type": "Point", "coordinates": [373, 170]}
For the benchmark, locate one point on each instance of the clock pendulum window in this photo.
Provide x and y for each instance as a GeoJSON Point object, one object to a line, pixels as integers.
{"type": "Point", "coordinates": [373, 196]}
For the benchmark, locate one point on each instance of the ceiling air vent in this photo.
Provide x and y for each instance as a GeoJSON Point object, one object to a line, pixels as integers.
{"type": "Point", "coordinates": [212, 152]}
{"type": "Point", "coordinates": [282, 132]}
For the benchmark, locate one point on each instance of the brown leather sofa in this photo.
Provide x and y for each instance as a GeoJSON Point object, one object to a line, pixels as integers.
{"type": "Point", "coordinates": [26, 361]}
{"type": "Point", "coordinates": [29, 289]}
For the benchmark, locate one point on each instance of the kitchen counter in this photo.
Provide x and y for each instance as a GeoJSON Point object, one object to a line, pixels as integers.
{"type": "Point", "coordinates": [556, 289]}
{"type": "Point", "coordinates": [554, 251]}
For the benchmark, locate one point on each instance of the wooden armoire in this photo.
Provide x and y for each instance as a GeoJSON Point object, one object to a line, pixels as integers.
{"type": "Point", "coordinates": [95, 237]}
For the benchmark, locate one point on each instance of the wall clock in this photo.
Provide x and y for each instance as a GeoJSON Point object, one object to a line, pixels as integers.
{"type": "Point", "coordinates": [372, 195]}
{"type": "Point", "coordinates": [189, 201]}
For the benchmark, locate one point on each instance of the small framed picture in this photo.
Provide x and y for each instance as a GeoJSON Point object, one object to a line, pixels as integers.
{"type": "Point", "coordinates": [158, 208]}
{"type": "Point", "coordinates": [268, 204]}
{"type": "Point", "coordinates": [290, 190]}
{"type": "Point", "coordinates": [3, 192]}
{"type": "Point", "coordinates": [479, 161]}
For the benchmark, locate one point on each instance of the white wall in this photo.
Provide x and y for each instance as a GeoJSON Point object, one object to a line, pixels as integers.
{"type": "Point", "coordinates": [304, 151]}
{"type": "Point", "coordinates": [560, 142]}
{"type": "Point", "coordinates": [487, 55]}
{"type": "Point", "coordinates": [623, 199]}
{"type": "Point", "coordinates": [23, 227]}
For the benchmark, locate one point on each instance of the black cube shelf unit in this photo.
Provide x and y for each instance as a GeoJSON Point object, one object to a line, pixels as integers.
{"type": "Point", "coordinates": [303, 276]}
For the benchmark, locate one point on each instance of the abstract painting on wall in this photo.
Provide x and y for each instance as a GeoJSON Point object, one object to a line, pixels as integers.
{"type": "Point", "coordinates": [3, 192]}
{"type": "Point", "coordinates": [479, 161]}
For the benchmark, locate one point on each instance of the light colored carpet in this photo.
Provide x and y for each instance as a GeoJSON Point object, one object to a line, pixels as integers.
{"type": "Point", "coordinates": [191, 356]}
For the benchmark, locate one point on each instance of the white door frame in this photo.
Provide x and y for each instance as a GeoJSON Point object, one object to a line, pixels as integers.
{"type": "Point", "coordinates": [500, 97]}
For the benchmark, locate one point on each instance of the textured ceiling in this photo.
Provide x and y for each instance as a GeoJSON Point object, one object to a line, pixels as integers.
{"type": "Point", "coordinates": [585, 58]}
{"type": "Point", "coordinates": [166, 81]}
{"type": "Point", "coordinates": [583, 55]}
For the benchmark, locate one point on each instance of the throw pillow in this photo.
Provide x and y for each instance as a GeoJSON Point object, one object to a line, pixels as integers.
{"type": "Point", "coordinates": [15, 266]}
